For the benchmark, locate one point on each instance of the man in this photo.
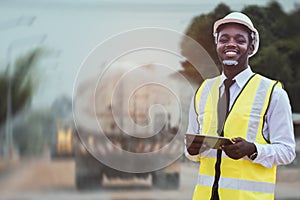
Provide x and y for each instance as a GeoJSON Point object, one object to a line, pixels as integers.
{"type": "Point", "coordinates": [256, 116]}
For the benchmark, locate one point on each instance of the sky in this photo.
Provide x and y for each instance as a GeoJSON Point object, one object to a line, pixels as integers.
{"type": "Point", "coordinates": [72, 29]}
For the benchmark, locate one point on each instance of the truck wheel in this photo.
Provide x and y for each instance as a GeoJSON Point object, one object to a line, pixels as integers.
{"type": "Point", "coordinates": [88, 182]}
{"type": "Point", "coordinates": [173, 180]}
{"type": "Point", "coordinates": [89, 173]}
{"type": "Point", "coordinates": [165, 180]}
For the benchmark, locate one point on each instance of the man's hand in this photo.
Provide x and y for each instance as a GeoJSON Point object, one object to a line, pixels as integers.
{"type": "Point", "coordinates": [195, 147]}
{"type": "Point", "coordinates": [239, 149]}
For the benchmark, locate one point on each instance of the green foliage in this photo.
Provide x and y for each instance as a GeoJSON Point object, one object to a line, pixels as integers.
{"type": "Point", "coordinates": [33, 132]}
{"type": "Point", "coordinates": [3, 102]}
{"type": "Point", "coordinates": [22, 83]}
{"type": "Point", "coordinates": [200, 30]}
{"type": "Point", "coordinates": [278, 56]}
{"type": "Point", "coordinates": [62, 107]}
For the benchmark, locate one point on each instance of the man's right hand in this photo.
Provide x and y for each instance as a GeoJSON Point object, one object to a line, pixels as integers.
{"type": "Point", "coordinates": [196, 147]}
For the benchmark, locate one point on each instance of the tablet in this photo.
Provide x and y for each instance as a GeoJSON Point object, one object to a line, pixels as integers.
{"type": "Point", "coordinates": [214, 142]}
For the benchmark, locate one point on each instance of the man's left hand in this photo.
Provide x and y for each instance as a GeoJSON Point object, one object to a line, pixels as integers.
{"type": "Point", "coordinates": [239, 149]}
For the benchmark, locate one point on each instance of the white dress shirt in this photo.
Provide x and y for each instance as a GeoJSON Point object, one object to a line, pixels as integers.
{"type": "Point", "coordinates": [278, 125]}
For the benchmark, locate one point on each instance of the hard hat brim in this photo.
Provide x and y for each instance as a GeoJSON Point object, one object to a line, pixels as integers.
{"type": "Point", "coordinates": [226, 21]}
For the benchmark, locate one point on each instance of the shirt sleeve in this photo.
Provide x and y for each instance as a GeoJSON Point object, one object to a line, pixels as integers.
{"type": "Point", "coordinates": [278, 129]}
{"type": "Point", "coordinates": [193, 127]}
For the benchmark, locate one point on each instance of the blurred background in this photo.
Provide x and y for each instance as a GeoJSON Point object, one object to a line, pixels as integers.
{"type": "Point", "coordinates": [43, 44]}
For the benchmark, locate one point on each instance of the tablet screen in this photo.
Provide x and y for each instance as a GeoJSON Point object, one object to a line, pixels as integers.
{"type": "Point", "coordinates": [214, 142]}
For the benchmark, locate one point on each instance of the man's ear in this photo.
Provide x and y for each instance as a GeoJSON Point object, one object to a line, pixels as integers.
{"type": "Point", "coordinates": [251, 49]}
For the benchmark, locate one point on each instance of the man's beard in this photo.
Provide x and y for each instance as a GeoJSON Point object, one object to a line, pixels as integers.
{"type": "Point", "coordinates": [230, 62]}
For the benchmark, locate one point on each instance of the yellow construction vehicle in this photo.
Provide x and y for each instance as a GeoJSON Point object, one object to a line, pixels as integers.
{"type": "Point", "coordinates": [62, 145]}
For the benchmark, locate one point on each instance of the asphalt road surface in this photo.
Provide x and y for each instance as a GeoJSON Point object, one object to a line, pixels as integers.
{"type": "Point", "coordinates": [46, 179]}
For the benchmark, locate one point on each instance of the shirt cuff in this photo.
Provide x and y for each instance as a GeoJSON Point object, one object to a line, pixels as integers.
{"type": "Point", "coordinates": [261, 157]}
{"type": "Point", "coordinates": [195, 158]}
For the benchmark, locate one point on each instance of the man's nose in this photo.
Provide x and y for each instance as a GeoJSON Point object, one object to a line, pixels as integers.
{"type": "Point", "coordinates": [231, 43]}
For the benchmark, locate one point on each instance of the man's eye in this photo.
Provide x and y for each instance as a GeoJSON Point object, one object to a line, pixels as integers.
{"type": "Point", "coordinates": [223, 40]}
{"type": "Point", "coordinates": [241, 41]}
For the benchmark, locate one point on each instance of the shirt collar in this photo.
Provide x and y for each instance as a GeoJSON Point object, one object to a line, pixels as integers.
{"type": "Point", "coordinates": [241, 78]}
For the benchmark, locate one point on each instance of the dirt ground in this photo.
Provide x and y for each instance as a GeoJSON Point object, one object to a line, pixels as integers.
{"type": "Point", "coordinates": [46, 179]}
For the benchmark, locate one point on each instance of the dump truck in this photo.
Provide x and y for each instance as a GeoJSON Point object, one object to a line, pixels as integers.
{"type": "Point", "coordinates": [108, 127]}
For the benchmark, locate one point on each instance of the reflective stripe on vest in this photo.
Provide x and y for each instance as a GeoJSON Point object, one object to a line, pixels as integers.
{"type": "Point", "coordinates": [239, 184]}
{"type": "Point", "coordinates": [248, 110]}
{"type": "Point", "coordinates": [204, 95]}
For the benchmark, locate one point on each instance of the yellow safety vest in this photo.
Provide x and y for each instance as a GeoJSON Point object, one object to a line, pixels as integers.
{"type": "Point", "coordinates": [239, 179]}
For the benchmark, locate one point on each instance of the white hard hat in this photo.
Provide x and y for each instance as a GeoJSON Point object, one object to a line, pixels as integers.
{"type": "Point", "coordinates": [239, 18]}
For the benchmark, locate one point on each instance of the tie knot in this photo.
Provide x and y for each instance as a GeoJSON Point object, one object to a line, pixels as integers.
{"type": "Point", "coordinates": [228, 83]}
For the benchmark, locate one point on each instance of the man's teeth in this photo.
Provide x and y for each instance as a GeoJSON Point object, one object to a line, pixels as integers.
{"type": "Point", "coordinates": [230, 53]}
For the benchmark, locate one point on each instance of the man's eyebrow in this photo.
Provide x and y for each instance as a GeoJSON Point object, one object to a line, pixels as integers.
{"type": "Point", "coordinates": [240, 35]}
{"type": "Point", "coordinates": [227, 35]}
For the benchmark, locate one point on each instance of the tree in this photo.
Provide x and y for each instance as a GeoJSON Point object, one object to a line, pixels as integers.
{"type": "Point", "coordinates": [33, 131]}
{"type": "Point", "coordinates": [278, 55]}
{"type": "Point", "coordinates": [200, 29]}
{"type": "Point", "coordinates": [23, 82]}
{"type": "Point", "coordinates": [62, 107]}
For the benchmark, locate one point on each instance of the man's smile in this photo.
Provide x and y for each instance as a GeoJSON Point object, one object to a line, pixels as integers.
{"type": "Point", "coordinates": [231, 52]}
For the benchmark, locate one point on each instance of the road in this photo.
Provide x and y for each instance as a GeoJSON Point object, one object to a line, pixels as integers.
{"type": "Point", "coordinates": [46, 179]}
